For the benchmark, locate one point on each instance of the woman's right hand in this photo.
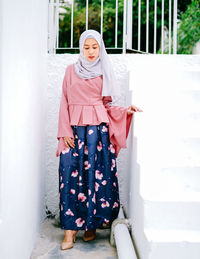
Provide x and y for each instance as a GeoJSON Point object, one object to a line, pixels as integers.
{"type": "Point", "coordinates": [69, 142]}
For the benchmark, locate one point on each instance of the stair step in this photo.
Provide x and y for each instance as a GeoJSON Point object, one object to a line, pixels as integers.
{"type": "Point", "coordinates": [173, 244]}
{"type": "Point", "coordinates": [172, 210]}
{"type": "Point", "coordinates": [180, 178]}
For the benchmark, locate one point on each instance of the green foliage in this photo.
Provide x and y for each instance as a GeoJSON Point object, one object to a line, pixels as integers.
{"type": "Point", "coordinates": [94, 20]}
{"type": "Point", "coordinates": [189, 29]}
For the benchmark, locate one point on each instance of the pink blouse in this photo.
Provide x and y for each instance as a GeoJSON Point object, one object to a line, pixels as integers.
{"type": "Point", "coordinates": [82, 104]}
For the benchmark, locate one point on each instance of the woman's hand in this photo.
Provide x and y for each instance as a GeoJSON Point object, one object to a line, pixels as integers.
{"type": "Point", "coordinates": [69, 142]}
{"type": "Point", "coordinates": [132, 109]}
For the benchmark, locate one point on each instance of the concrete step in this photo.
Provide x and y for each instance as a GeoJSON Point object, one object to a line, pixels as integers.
{"type": "Point", "coordinates": [172, 244]}
{"type": "Point", "coordinates": [180, 179]}
{"type": "Point", "coordinates": [171, 210]}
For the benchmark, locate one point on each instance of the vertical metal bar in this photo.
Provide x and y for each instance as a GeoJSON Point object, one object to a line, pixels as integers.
{"type": "Point", "coordinates": [72, 22]}
{"type": "Point", "coordinates": [129, 24]}
{"type": "Point", "coordinates": [124, 28]}
{"type": "Point", "coordinates": [51, 32]}
{"type": "Point", "coordinates": [155, 26]}
{"type": "Point", "coordinates": [102, 18]}
{"type": "Point", "coordinates": [139, 23]}
{"type": "Point", "coordinates": [86, 14]}
{"type": "Point", "coordinates": [116, 22]}
{"type": "Point", "coordinates": [175, 28]}
{"type": "Point", "coordinates": [170, 25]}
{"type": "Point", "coordinates": [162, 28]}
{"type": "Point", "coordinates": [57, 23]}
{"type": "Point", "coordinates": [147, 26]}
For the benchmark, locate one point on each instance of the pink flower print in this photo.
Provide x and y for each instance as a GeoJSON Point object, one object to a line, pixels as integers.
{"type": "Point", "coordinates": [114, 184]}
{"type": "Point", "coordinates": [116, 174]}
{"type": "Point", "coordinates": [96, 187]}
{"type": "Point", "coordinates": [106, 220]}
{"type": "Point", "coordinates": [89, 192]}
{"type": "Point", "coordinates": [61, 178]}
{"type": "Point", "coordinates": [75, 173]}
{"type": "Point", "coordinates": [76, 136]}
{"type": "Point", "coordinates": [80, 178]}
{"type": "Point", "coordinates": [65, 150]}
{"type": "Point", "coordinates": [115, 205]}
{"type": "Point", "coordinates": [75, 154]}
{"type": "Point", "coordinates": [72, 191]}
{"type": "Point", "coordinates": [113, 164]}
{"type": "Point", "coordinates": [105, 204]}
{"type": "Point", "coordinates": [86, 150]}
{"type": "Point", "coordinates": [94, 211]}
{"type": "Point", "coordinates": [87, 165]}
{"type": "Point", "coordinates": [82, 197]}
{"type": "Point", "coordinates": [112, 149]}
{"type": "Point", "coordinates": [98, 175]}
{"type": "Point", "coordinates": [94, 198]}
{"type": "Point", "coordinates": [62, 185]}
{"type": "Point", "coordinates": [69, 212]}
{"type": "Point", "coordinates": [61, 207]}
{"type": "Point", "coordinates": [102, 199]}
{"type": "Point", "coordinates": [99, 147]}
{"type": "Point", "coordinates": [87, 204]}
{"type": "Point", "coordinates": [80, 144]}
{"type": "Point", "coordinates": [90, 132]}
{"type": "Point", "coordinates": [86, 229]}
{"type": "Point", "coordinates": [104, 129]}
{"type": "Point", "coordinates": [104, 182]}
{"type": "Point", "coordinates": [79, 222]}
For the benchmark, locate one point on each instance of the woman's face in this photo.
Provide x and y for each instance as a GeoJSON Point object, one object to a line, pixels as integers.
{"type": "Point", "coordinates": [91, 49]}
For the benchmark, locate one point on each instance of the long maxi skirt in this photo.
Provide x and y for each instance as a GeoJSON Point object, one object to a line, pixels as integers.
{"type": "Point", "coordinates": [88, 181]}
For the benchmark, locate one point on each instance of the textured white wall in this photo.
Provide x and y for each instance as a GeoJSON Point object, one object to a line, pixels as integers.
{"type": "Point", "coordinates": [23, 59]}
{"type": "Point", "coordinates": [56, 68]}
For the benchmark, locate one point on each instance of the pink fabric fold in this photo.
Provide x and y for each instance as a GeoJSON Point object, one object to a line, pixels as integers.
{"type": "Point", "coordinates": [82, 104]}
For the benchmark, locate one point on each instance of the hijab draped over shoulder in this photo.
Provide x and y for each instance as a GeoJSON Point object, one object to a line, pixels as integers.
{"type": "Point", "coordinates": [101, 66]}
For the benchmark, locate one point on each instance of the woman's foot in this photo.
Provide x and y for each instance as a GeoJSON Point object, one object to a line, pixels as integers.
{"type": "Point", "coordinates": [89, 235]}
{"type": "Point", "coordinates": [69, 240]}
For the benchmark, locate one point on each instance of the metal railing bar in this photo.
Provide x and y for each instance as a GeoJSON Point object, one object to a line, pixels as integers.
{"type": "Point", "coordinates": [129, 24]}
{"type": "Point", "coordinates": [175, 28]}
{"type": "Point", "coordinates": [139, 23]}
{"type": "Point", "coordinates": [72, 22]}
{"type": "Point", "coordinates": [57, 23]}
{"type": "Point", "coordinates": [170, 24]}
{"type": "Point", "coordinates": [162, 28]}
{"type": "Point", "coordinates": [116, 22]}
{"type": "Point", "coordinates": [86, 15]}
{"type": "Point", "coordinates": [155, 26]}
{"type": "Point", "coordinates": [102, 18]}
{"type": "Point", "coordinates": [147, 25]}
{"type": "Point", "coordinates": [124, 27]}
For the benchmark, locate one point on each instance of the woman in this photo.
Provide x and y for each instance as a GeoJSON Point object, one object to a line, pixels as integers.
{"type": "Point", "coordinates": [90, 133]}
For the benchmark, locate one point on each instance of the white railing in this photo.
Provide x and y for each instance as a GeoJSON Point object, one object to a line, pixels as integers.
{"type": "Point", "coordinates": [128, 29]}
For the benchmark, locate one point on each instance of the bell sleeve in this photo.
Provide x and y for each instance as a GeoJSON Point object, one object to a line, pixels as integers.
{"type": "Point", "coordinates": [119, 124]}
{"type": "Point", "coordinates": [64, 127]}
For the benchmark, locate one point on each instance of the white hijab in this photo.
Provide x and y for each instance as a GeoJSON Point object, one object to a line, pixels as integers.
{"type": "Point", "coordinates": [101, 66]}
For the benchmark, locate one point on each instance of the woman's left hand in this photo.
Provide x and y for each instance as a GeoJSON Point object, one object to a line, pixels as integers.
{"type": "Point", "coordinates": [132, 109]}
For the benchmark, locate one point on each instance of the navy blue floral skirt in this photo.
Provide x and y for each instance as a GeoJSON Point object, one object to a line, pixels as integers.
{"type": "Point", "coordinates": [88, 182]}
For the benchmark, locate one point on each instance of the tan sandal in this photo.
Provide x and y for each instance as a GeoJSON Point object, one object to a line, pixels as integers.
{"type": "Point", "coordinates": [89, 235]}
{"type": "Point", "coordinates": [68, 244]}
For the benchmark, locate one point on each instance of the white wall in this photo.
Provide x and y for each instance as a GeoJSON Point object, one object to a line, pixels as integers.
{"type": "Point", "coordinates": [23, 27]}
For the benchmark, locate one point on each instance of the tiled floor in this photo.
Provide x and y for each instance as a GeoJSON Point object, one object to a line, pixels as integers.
{"type": "Point", "coordinates": [49, 241]}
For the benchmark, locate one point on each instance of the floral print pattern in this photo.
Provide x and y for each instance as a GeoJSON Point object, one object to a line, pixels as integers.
{"type": "Point", "coordinates": [88, 182]}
